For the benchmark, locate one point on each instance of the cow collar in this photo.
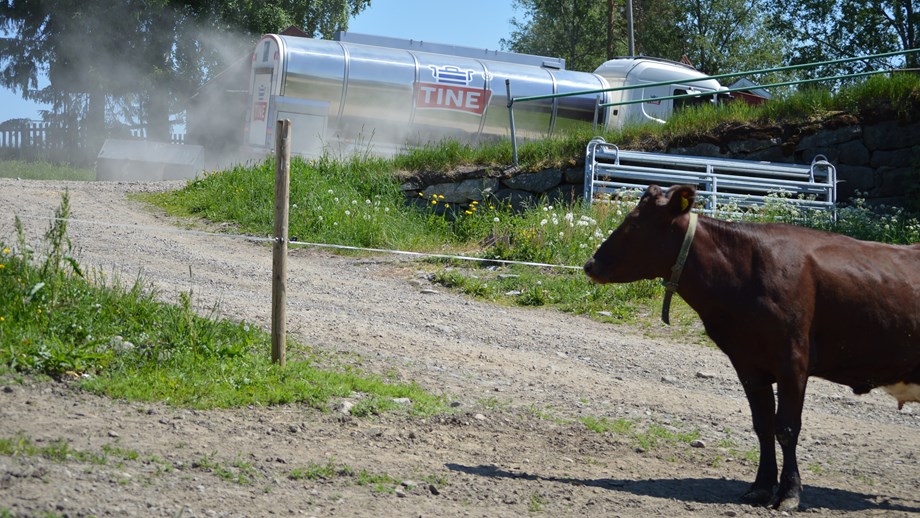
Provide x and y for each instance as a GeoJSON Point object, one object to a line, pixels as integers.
{"type": "Point", "coordinates": [671, 286]}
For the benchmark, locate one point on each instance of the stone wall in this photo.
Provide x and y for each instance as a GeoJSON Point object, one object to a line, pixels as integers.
{"type": "Point", "coordinates": [876, 156]}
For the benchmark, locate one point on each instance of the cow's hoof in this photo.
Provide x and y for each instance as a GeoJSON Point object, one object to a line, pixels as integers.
{"type": "Point", "coordinates": [758, 496]}
{"type": "Point", "coordinates": [788, 504]}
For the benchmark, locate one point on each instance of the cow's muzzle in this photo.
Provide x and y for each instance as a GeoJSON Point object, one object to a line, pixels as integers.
{"type": "Point", "coordinates": [589, 269]}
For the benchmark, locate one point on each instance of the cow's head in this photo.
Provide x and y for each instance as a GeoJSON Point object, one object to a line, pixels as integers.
{"type": "Point", "coordinates": [646, 244]}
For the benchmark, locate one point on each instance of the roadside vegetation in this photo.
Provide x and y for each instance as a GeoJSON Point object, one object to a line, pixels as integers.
{"type": "Point", "coordinates": [357, 202]}
{"type": "Point", "coordinates": [116, 338]}
{"type": "Point", "coordinates": [44, 171]}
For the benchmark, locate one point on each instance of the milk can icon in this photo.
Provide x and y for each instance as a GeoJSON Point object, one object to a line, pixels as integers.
{"type": "Point", "coordinates": [452, 75]}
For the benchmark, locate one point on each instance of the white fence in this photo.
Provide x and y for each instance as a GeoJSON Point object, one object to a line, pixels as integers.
{"type": "Point", "coordinates": [24, 133]}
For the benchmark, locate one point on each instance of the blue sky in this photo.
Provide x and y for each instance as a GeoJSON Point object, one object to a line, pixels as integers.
{"type": "Point", "coordinates": [472, 23]}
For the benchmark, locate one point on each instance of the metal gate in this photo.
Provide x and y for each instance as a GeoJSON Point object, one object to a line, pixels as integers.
{"type": "Point", "coordinates": [719, 181]}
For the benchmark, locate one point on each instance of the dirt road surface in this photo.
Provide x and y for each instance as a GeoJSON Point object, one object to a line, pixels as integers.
{"type": "Point", "coordinates": [518, 378]}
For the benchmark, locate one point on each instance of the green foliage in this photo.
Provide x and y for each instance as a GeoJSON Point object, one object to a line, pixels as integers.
{"type": "Point", "coordinates": [121, 342]}
{"type": "Point", "coordinates": [602, 425]}
{"type": "Point", "coordinates": [820, 30]}
{"type": "Point", "coordinates": [326, 471]}
{"type": "Point", "coordinates": [56, 450]}
{"type": "Point", "coordinates": [656, 434]}
{"type": "Point", "coordinates": [43, 171]}
{"type": "Point", "coordinates": [357, 202]}
{"type": "Point", "coordinates": [238, 472]}
{"type": "Point", "coordinates": [551, 28]}
{"type": "Point", "coordinates": [898, 93]}
{"type": "Point", "coordinates": [146, 53]}
{"type": "Point", "coordinates": [380, 482]}
{"type": "Point", "coordinates": [718, 36]}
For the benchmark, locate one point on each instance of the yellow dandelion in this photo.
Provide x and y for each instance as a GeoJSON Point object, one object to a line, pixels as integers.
{"type": "Point", "coordinates": [468, 212]}
{"type": "Point", "coordinates": [421, 194]}
{"type": "Point", "coordinates": [447, 204]}
{"type": "Point", "coordinates": [434, 202]}
{"type": "Point", "coordinates": [6, 250]}
{"type": "Point", "coordinates": [440, 196]}
{"type": "Point", "coordinates": [475, 202]}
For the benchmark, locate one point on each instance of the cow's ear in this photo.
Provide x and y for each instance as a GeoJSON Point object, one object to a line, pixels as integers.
{"type": "Point", "coordinates": [681, 198]}
{"type": "Point", "coordinates": [653, 191]}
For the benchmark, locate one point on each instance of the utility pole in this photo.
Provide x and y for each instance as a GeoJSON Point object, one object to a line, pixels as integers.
{"type": "Point", "coordinates": [629, 26]}
{"type": "Point", "coordinates": [609, 29]}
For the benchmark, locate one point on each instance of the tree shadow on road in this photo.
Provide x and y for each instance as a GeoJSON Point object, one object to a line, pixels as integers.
{"type": "Point", "coordinates": [708, 490]}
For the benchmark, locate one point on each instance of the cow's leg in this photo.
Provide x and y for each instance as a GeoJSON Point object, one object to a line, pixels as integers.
{"type": "Point", "coordinates": [763, 406]}
{"type": "Point", "coordinates": [791, 392]}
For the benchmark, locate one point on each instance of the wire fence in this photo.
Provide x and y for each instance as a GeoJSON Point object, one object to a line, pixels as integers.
{"type": "Point", "coordinates": [305, 244]}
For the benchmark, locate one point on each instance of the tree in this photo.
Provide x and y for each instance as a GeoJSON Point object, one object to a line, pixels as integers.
{"type": "Point", "coordinates": [728, 36]}
{"type": "Point", "coordinates": [571, 29]}
{"type": "Point", "coordinates": [718, 36]}
{"type": "Point", "coordinates": [144, 57]}
{"type": "Point", "coordinates": [822, 30]}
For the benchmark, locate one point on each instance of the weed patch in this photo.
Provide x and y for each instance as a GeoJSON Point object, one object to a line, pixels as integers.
{"type": "Point", "coordinates": [120, 341]}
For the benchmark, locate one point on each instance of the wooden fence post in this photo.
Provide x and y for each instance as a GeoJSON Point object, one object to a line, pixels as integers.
{"type": "Point", "coordinates": [279, 256]}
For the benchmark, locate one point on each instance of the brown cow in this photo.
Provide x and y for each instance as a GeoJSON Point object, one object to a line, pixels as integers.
{"type": "Point", "coordinates": [784, 303]}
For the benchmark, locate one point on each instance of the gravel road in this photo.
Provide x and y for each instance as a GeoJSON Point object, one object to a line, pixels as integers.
{"type": "Point", "coordinates": [518, 377]}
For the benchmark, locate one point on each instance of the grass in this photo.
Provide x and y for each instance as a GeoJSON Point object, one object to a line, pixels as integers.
{"type": "Point", "coordinates": [239, 472]}
{"type": "Point", "coordinates": [604, 425]}
{"type": "Point", "coordinates": [60, 451]}
{"type": "Point", "coordinates": [118, 340]}
{"type": "Point", "coordinates": [358, 202]}
{"type": "Point", "coordinates": [60, 321]}
{"type": "Point", "coordinates": [44, 171]}
{"type": "Point", "coordinates": [898, 94]}
{"type": "Point", "coordinates": [646, 438]}
{"type": "Point", "coordinates": [379, 482]}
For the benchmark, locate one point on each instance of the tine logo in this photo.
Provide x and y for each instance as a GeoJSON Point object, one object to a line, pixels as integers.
{"type": "Point", "coordinates": [451, 91]}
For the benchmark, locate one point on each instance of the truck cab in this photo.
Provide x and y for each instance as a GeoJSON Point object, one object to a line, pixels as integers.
{"type": "Point", "coordinates": [633, 72]}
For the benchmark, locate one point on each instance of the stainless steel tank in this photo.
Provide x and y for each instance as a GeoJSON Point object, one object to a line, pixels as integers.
{"type": "Point", "coordinates": [346, 97]}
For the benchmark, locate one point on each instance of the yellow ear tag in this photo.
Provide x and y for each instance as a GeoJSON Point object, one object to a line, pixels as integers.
{"type": "Point", "coordinates": [684, 203]}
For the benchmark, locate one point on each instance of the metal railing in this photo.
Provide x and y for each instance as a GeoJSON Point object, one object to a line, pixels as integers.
{"type": "Point", "coordinates": [719, 181]}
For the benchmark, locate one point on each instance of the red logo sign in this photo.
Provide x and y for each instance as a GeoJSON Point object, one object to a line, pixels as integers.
{"type": "Point", "coordinates": [450, 97]}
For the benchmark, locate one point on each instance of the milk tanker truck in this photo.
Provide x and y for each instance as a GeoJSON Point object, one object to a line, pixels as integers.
{"type": "Point", "coordinates": [370, 94]}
